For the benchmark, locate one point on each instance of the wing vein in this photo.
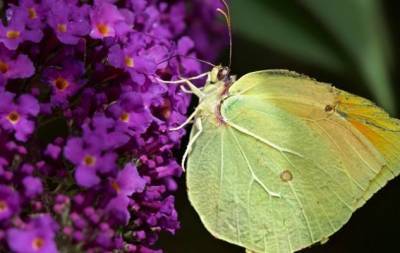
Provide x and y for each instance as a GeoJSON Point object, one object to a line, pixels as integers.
{"type": "Point", "coordinates": [248, 208]}
{"type": "Point", "coordinates": [250, 168]}
{"type": "Point", "coordinates": [271, 144]}
{"type": "Point", "coordinates": [341, 151]}
{"type": "Point", "coordinates": [315, 198]}
{"type": "Point", "coordinates": [346, 172]}
{"type": "Point", "coordinates": [221, 175]}
{"type": "Point", "coordinates": [235, 194]}
{"type": "Point", "coordinates": [303, 212]}
{"type": "Point", "coordinates": [299, 201]}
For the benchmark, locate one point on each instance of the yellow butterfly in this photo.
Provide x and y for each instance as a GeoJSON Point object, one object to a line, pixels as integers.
{"type": "Point", "coordinates": [278, 161]}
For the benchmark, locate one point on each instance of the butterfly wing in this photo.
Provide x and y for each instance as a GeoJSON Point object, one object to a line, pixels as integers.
{"type": "Point", "coordinates": [294, 160]}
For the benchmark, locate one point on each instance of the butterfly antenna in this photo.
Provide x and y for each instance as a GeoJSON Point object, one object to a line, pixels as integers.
{"type": "Point", "coordinates": [227, 16]}
{"type": "Point", "coordinates": [187, 57]}
{"type": "Point", "coordinates": [199, 60]}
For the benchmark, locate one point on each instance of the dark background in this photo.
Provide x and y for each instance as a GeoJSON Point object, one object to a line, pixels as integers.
{"type": "Point", "coordinates": [373, 228]}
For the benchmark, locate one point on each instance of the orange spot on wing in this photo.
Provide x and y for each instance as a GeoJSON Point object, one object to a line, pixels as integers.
{"type": "Point", "coordinates": [370, 134]}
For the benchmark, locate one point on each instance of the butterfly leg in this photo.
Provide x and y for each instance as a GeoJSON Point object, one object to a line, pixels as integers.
{"type": "Point", "coordinates": [193, 89]}
{"type": "Point", "coordinates": [186, 78]}
{"type": "Point", "coordinates": [187, 121]}
{"type": "Point", "coordinates": [199, 127]}
{"type": "Point", "coordinates": [186, 90]}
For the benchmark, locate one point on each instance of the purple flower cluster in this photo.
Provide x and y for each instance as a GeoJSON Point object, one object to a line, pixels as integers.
{"type": "Point", "coordinates": [86, 154]}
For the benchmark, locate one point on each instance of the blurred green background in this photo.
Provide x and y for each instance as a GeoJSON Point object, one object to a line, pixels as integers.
{"type": "Point", "coordinates": [352, 44]}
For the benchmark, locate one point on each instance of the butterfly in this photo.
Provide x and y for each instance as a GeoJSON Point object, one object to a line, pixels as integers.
{"type": "Point", "coordinates": [277, 161]}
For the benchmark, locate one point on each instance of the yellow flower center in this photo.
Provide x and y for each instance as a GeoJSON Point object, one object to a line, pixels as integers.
{"type": "Point", "coordinates": [62, 28]}
{"type": "Point", "coordinates": [37, 243]}
{"type": "Point", "coordinates": [61, 83]}
{"type": "Point", "coordinates": [3, 67]}
{"type": "Point", "coordinates": [129, 62]}
{"type": "Point", "coordinates": [116, 186]}
{"type": "Point", "coordinates": [124, 117]}
{"type": "Point", "coordinates": [13, 34]}
{"type": "Point", "coordinates": [103, 29]}
{"type": "Point", "coordinates": [13, 117]}
{"type": "Point", "coordinates": [89, 160]}
{"type": "Point", "coordinates": [3, 206]}
{"type": "Point", "coordinates": [32, 14]}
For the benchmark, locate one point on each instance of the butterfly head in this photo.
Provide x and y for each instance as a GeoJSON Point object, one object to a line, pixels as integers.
{"type": "Point", "coordinates": [219, 74]}
{"type": "Point", "coordinates": [217, 86]}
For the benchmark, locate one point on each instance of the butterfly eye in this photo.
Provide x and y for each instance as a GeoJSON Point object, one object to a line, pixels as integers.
{"type": "Point", "coordinates": [223, 73]}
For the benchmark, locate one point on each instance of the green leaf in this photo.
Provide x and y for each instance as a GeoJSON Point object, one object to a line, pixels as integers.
{"type": "Point", "coordinates": [359, 28]}
{"type": "Point", "coordinates": [286, 31]}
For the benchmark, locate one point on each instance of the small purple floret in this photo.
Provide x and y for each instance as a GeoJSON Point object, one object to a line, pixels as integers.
{"type": "Point", "coordinates": [37, 237]}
